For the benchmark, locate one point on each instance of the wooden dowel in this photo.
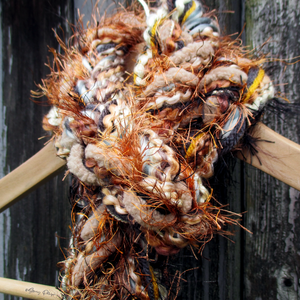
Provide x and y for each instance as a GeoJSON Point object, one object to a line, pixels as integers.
{"type": "Point", "coordinates": [278, 156]}
{"type": "Point", "coordinates": [32, 173]}
{"type": "Point", "coordinates": [28, 290]}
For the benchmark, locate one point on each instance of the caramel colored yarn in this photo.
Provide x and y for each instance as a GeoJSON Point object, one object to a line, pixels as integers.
{"type": "Point", "coordinates": [144, 104]}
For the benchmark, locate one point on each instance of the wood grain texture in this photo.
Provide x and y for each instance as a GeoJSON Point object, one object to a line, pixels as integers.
{"type": "Point", "coordinates": [272, 252]}
{"type": "Point", "coordinates": [276, 155]}
{"type": "Point", "coordinates": [29, 290]}
{"type": "Point", "coordinates": [36, 227]}
{"type": "Point", "coordinates": [40, 168]}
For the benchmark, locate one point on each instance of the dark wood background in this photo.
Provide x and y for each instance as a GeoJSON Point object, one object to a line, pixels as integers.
{"type": "Point", "coordinates": [263, 265]}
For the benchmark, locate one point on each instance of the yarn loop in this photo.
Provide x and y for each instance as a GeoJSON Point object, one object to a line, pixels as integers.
{"type": "Point", "coordinates": [143, 106]}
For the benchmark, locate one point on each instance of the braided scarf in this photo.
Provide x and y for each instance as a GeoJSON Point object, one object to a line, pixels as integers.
{"type": "Point", "coordinates": [144, 104]}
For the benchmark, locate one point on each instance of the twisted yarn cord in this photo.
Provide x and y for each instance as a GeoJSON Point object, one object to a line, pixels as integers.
{"type": "Point", "coordinates": [143, 106]}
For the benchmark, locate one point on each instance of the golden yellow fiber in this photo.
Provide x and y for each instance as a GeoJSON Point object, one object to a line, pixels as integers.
{"type": "Point", "coordinates": [254, 85]}
{"type": "Point", "coordinates": [193, 144]}
{"type": "Point", "coordinates": [189, 12]}
{"type": "Point", "coordinates": [154, 283]}
{"type": "Point", "coordinates": [134, 78]}
{"type": "Point", "coordinates": [153, 31]}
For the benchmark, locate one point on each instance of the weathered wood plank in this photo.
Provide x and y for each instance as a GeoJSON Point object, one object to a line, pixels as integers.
{"type": "Point", "coordinates": [32, 226]}
{"type": "Point", "coordinates": [272, 252]}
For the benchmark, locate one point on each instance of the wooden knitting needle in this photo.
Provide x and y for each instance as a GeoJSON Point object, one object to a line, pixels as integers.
{"type": "Point", "coordinates": [28, 290]}
{"type": "Point", "coordinates": [32, 173]}
{"type": "Point", "coordinates": [276, 156]}
{"type": "Point", "coordinates": [279, 157]}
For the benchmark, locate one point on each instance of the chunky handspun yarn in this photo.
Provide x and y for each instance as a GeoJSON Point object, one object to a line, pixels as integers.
{"type": "Point", "coordinates": [143, 106]}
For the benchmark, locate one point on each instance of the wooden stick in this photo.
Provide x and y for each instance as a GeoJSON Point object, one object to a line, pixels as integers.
{"type": "Point", "coordinates": [278, 156]}
{"type": "Point", "coordinates": [28, 290]}
{"type": "Point", "coordinates": [39, 168]}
